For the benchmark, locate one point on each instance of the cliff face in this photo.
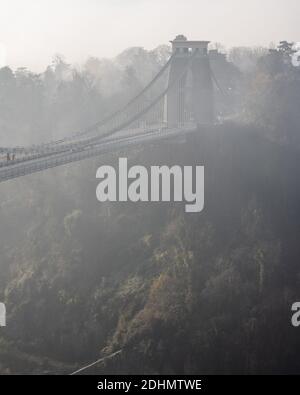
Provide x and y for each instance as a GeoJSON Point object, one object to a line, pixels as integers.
{"type": "Point", "coordinates": [176, 292]}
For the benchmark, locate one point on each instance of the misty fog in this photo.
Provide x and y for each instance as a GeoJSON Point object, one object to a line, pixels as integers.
{"type": "Point", "coordinates": [162, 291]}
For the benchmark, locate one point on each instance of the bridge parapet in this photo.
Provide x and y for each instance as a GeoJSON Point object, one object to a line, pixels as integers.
{"type": "Point", "coordinates": [183, 47]}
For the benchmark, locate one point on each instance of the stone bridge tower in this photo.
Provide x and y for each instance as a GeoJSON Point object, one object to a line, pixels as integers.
{"type": "Point", "coordinates": [192, 96]}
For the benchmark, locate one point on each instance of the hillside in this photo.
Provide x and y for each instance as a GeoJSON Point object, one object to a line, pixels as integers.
{"type": "Point", "coordinates": [176, 292]}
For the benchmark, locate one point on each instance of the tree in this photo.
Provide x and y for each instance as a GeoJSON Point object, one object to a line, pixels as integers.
{"type": "Point", "coordinates": [286, 48]}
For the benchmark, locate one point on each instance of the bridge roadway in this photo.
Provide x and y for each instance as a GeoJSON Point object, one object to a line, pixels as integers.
{"type": "Point", "coordinates": [39, 163]}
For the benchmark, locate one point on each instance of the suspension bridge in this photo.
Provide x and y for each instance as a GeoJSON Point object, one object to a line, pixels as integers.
{"type": "Point", "coordinates": [178, 100]}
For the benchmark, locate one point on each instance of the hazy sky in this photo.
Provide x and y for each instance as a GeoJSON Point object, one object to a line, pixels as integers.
{"type": "Point", "coordinates": [32, 31]}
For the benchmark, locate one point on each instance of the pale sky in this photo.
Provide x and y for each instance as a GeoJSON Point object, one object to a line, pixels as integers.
{"type": "Point", "coordinates": [32, 31]}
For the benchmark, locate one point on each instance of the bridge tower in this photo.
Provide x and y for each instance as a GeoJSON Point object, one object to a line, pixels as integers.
{"type": "Point", "coordinates": [193, 94]}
